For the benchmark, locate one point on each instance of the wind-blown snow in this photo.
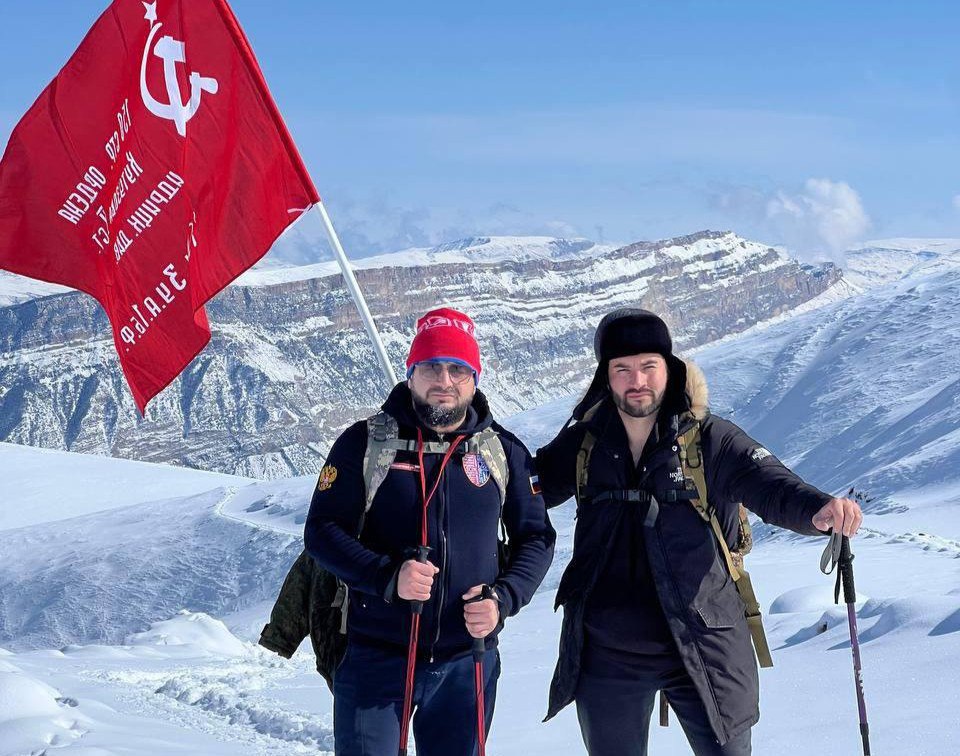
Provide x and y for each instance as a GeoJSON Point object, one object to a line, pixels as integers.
{"type": "Point", "coordinates": [196, 632]}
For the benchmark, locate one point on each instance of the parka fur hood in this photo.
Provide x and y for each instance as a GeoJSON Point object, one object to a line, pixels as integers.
{"type": "Point", "coordinates": [696, 390]}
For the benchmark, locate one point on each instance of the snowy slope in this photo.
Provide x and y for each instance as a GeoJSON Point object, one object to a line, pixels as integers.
{"type": "Point", "coordinates": [54, 485]}
{"type": "Point", "coordinates": [887, 260]}
{"type": "Point", "coordinates": [864, 392]}
{"type": "Point", "coordinates": [14, 289]}
{"type": "Point", "coordinates": [105, 575]}
{"type": "Point", "coordinates": [180, 690]}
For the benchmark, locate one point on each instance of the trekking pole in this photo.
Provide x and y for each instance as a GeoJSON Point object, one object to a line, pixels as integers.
{"type": "Point", "coordinates": [838, 553]}
{"type": "Point", "coordinates": [479, 649]}
{"type": "Point", "coordinates": [416, 608]}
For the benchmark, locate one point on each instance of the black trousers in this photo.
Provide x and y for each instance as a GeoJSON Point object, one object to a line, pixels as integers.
{"type": "Point", "coordinates": [614, 713]}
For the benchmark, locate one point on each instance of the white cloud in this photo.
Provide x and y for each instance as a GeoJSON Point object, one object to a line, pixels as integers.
{"type": "Point", "coordinates": [821, 219]}
{"type": "Point", "coordinates": [826, 215]}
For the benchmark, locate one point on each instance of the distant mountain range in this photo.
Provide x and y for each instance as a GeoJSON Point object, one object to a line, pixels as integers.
{"type": "Point", "coordinates": [290, 365]}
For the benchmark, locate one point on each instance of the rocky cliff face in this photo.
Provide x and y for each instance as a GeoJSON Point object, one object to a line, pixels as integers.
{"type": "Point", "coordinates": [289, 364]}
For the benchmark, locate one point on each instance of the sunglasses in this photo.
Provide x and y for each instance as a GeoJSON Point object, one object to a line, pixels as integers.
{"type": "Point", "coordinates": [433, 371]}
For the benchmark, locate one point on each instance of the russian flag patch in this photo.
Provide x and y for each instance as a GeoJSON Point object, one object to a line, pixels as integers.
{"type": "Point", "coordinates": [535, 485]}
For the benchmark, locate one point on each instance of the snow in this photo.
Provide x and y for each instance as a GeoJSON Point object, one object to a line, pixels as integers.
{"type": "Point", "coordinates": [915, 245]}
{"type": "Point", "coordinates": [55, 485]}
{"type": "Point", "coordinates": [15, 289]}
{"type": "Point", "coordinates": [483, 250]}
{"type": "Point", "coordinates": [129, 610]}
{"type": "Point", "coordinates": [702, 247]}
{"type": "Point", "coordinates": [197, 632]}
{"type": "Point", "coordinates": [262, 704]}
{"type": "Point", "coordinates": [32, 714]}
{"type": "Point", "coordinates": [22, 696]}
{"type": "Point", "coordinates": [887, 260]}
{"type": "Point", "coordinates": [807, 598]}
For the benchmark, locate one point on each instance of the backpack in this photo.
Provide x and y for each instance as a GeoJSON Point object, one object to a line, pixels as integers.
{"type": "Point", "coordinates": [691, 459]}
{"type": "Point", "coordinates": [324, 598]}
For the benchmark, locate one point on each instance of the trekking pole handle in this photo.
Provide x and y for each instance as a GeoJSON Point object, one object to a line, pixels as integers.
{"type": "Point", "coordinates": [846, 572]}
{"type": "Point", "coordinates": [422, 553]}
{"type": "Point", "coordinates": [479, 644]}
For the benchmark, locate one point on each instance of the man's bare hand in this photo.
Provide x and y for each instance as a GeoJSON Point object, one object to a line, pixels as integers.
{"type": "Point", "coordinates": [841, 515]}
{"type": "Point", "coordinates": [481, 616]}
{"type": "Point", "coordinates": [416, 580]}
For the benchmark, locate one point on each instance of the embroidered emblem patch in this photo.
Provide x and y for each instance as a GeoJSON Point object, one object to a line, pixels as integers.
{"type": "Point", "coordinates": [476, 469]}
{"type": "Point", "coordinates": [759, 454]}
{"type": "Point", "coordinates": [327, 475]}
{"type": "Point", "coordinates": [677, 476]}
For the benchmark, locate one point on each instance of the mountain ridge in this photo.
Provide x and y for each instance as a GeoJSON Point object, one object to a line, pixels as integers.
{"type": "Point", "coordinates": [289, 364]}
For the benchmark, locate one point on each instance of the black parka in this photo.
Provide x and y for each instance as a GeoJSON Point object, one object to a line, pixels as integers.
{"type": "Point", "coordinates": [703, 610]}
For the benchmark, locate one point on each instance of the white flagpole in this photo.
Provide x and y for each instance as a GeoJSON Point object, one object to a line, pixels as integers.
{"type": "Point", "coordinates": [357, 295]}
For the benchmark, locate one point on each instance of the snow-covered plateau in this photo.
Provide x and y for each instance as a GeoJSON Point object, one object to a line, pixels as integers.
{"type": "Point", "coordinates": [131, 598]}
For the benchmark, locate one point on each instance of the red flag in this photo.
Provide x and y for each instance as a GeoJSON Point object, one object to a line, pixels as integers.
{"type": "Point", "coordinates": [150, 173]}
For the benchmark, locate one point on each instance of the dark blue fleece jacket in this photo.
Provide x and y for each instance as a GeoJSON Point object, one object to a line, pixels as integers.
{"type": "Point", "coordinates": [462, 524]}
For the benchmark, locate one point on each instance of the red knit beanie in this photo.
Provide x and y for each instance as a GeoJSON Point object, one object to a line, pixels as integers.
{"type": "Point", "coordinates": [445, 334]}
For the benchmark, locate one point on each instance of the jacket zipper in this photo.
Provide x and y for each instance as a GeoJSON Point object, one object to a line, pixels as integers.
{"type": "Point", "coordinates": [441, 512]}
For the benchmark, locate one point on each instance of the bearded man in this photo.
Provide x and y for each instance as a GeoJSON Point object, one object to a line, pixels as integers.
{"type": "Point", "coordinates": [655, 597]}
{"type": "Point", "coordinates": [431, 538]}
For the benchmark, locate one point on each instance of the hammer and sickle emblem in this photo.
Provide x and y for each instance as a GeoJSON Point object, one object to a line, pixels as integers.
{"type": "Point", "coordinates": [171, 51]}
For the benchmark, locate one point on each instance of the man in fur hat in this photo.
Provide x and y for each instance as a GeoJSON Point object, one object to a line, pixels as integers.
{"type": "Point", "coordinates": [649, 603]}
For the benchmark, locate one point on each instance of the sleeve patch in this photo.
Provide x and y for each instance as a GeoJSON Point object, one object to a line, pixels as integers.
{"type": "Point", "coordinates": [327, 476]}
{"type": "Point", "coordinates": [759, 454]}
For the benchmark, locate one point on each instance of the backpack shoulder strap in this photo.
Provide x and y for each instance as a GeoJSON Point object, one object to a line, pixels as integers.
{"type": "Point", "coordinates": [586, 449]}
{"type": "Point", "coordinates": [382, 447]}
{"type": "Point", "coordinates": [490, 447]}
{"type": "Point", "coordinates": [691, 458]}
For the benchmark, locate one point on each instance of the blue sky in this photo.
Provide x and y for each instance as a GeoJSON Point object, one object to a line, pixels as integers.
{"type": "Point", "coordinates": [814, 124]}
